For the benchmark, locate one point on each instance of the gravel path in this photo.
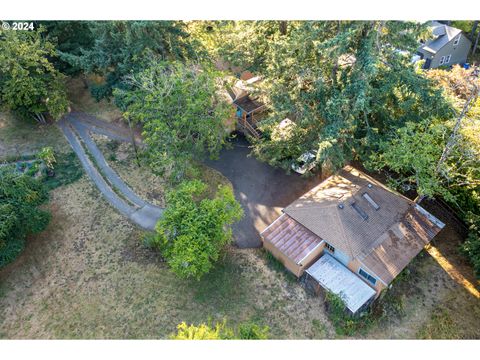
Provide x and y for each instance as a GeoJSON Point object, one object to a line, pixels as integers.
{"type": "Point", "coordinates": [76, 127]}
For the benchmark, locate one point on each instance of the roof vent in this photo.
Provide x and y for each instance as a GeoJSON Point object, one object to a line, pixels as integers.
{"type": "Point", "coordinates": [340, 206]}
{"type": "Point", "coordinates": [370, 185]}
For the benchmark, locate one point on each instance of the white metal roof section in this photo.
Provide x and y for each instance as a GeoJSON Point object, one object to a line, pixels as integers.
{"type": "Point", "coordinates": [336, 278]}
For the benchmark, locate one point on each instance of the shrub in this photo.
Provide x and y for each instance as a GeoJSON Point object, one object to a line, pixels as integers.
{"type": "Point", "coordinates": [252, 331]}
{"type": "Point", "coordinates": [20, 197]}
{"type": "Point", "coordinates": [202, 332]}
{"type": "Point", "coordinates": [194, 229]}
{"type": "Point", "coordinates": [48, 156]}
{"type": "Point", "coordinates": [220, 331]}
{"type": "Point", "coordinates": [67, 171]}
{"type": "Point", "coordinates": [471, 246]}
{"type": "Point", "coordinates": [344, 323]}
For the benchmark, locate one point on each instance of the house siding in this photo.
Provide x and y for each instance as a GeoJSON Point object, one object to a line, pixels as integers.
{"type": "Point", "coordinates": [296, 269]}
{"type": "Point", "coordinates": [355, 266]}
{"type": "Point", "coordinates": [342, 257]}
{"type": "Point", "coordinates": [459, 53]}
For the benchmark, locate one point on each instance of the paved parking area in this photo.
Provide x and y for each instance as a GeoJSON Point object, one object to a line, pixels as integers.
{"type": "Point", "coordinates": [262, 190]}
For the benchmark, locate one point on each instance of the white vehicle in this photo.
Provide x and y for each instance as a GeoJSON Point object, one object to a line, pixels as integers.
{"type": "Point", "coordinates": [305, 162]}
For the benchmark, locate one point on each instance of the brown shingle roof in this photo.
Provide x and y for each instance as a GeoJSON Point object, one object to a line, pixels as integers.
{"type": "Point", "coordinates": [291, 238]}
{"type": "Point", "coordinates": [344, 228]}
{"type": "Point", "coordinates": [400, 244]}
{"type": "Point", "coordinates": [384, 237]}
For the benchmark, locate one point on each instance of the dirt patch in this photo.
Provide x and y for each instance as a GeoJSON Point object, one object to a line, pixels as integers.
{"type": "Point", "coordinates": [81, 100]}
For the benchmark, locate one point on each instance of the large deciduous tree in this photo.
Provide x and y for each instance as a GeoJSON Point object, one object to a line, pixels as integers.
{"type": "Point", "coordinates": [195, 229]}
{"type": "Point", "coordinates": [441, 158]}
{"type": "Point", "coordinates": [182, 111]}
{"type": "Point", "coordinates": [29, 83]}
{"type": "Point", "coordinates": [20, 196]}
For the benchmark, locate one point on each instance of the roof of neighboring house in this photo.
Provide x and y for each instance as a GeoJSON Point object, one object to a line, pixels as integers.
{"type": "Point", "coordinates": [249, 105]}
{"type": "Point", "coordinates": [444, 33]}
{"type": "Point", "coordinates": [335, 277]}
{"type": "Point", "coordinates": [291, 238]}
{"type": "Point", "coordinates": [366, 221]}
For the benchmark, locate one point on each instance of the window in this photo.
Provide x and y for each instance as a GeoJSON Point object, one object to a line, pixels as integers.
{"type": "Point", "coordinates": [330, 248]}
{"type": "Point", "coordinates": [442, 60]}
{"type": "Point", "coordinates": [367, 276]}
{"type": "Point", "coordinates": [447, 59]}
{"type": "Point", "coordinates": [456, 41]}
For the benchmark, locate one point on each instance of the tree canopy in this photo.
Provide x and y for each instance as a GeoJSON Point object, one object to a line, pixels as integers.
{"type": "Point", "coordinates": [442, 157]}
{"type": "Point", "coordinates": [20, 198]}
{"type": "Point", "coordinates": [29, 83]}
{"type": "Point", "coordinates": [121, 48]}
{"type": "Point", "coordinates": [195, 229]}
{"type": "Point", "coordinates": [346, 85]}
{"type": "Point", "coordinates": [70, 38]}
{"type": "Point", "coordinates": [182, 112]}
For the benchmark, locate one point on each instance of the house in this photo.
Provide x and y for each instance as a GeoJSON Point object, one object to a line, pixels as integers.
{"type": "Point", "coordinates": [450, 46]}
{"type": "Point", "coordinates": [350, 235]}
{"type": "Point", "coordinates": [247, 106]}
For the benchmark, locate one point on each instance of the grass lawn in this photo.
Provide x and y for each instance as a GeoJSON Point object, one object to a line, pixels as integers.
{"type": "Point", "coordinates": [22, 137]}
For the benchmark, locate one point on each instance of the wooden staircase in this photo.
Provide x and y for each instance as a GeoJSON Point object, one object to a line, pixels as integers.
{"type": "Point", "coordinates": [248, 129]}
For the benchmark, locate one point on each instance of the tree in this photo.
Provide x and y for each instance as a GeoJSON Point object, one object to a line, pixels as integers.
{"type": "Point", "coordinates": [441, 158]}
{"type": "Point", "coordinates": [182, 112]}
{"type": "Point", "coordinates": [48, 156]}
{"type": "Point", "coordinates": [29, 84]}
{"type": "Point", "coordinates": [194, 229]}
{"type": "Point", "coordinates": [70, 38]}
{"type": "Point", "coordinates": [346, 85]}
{"type": "Point", "coordinates": [246, 331]}
{"type": "Point", "coordinates": [20, 197]}
{"type": "Point", "coordinates": [121, 48]}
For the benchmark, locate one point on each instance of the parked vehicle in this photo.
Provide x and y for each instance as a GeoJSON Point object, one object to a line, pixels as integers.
{"type": "Point", "coordinates": [305, 162]}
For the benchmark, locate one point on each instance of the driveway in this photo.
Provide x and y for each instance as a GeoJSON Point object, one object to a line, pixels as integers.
{"type": "Point", "coordinates": [77, 127]}
{"type": "Point", "coordinates": [262, 190]}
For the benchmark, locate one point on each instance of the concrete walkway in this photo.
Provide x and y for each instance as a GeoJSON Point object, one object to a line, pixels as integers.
{"type": "Point", "coordinates": [77, 127]}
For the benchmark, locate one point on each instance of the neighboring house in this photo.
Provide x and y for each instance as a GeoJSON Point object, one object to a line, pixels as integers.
{"type": "Point", "coordinates": [351, 235]}
{"type": "Point", "coordinates": [246, 106]}
{"type": "Point", "coordinates": [449, 47]}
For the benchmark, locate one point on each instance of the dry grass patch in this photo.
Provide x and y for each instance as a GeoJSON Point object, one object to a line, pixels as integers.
{"type": "Point", "coordinates": [89, 276]}
{"type": "Point", "coordinates": [81, 100]}
{"type": "Point", "coordinates": [20, 137]}
{"type": "Point", "coordinates": [121, 158]}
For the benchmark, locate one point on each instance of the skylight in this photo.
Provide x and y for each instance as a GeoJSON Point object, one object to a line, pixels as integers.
{"type": "Point", "coordinates": [359, 211]}
{"type": "Point", "coordinates": [371, 201]}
